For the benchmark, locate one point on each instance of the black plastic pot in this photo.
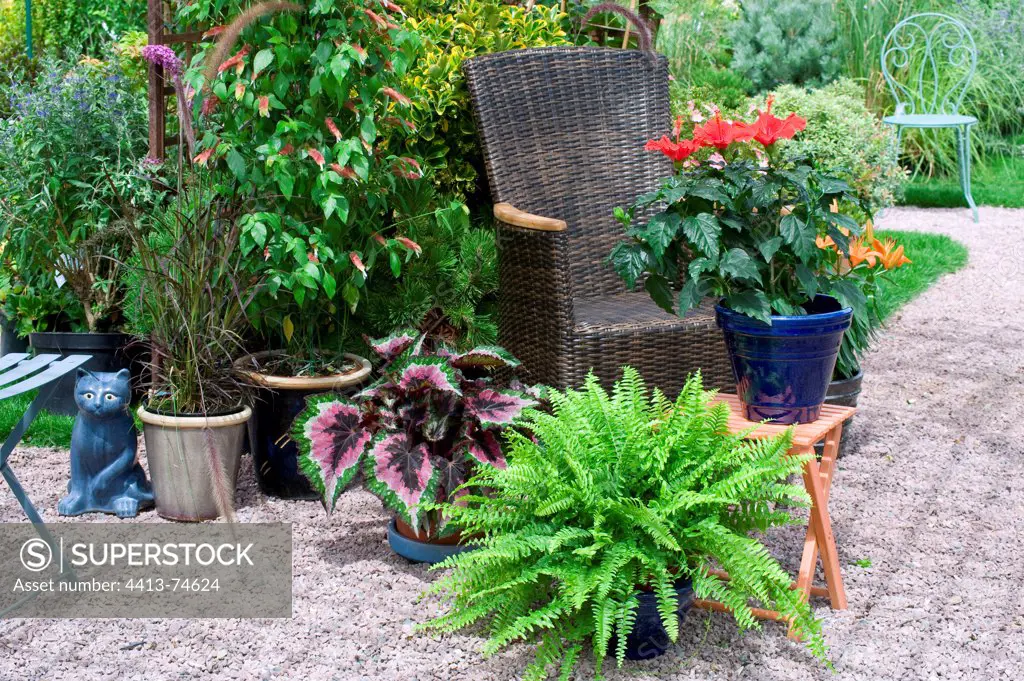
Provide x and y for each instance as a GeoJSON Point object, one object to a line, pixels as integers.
{"type": "Point", "coordinates": [649, 638]}
{"type": "Point", "coordinates": [277, 401]}
{"type": "Point", "coordinates": [110, 352]}
{"type": "Point", "coordinates": [844, 393]}
{"type": "Point", "coordinates": [9, 340]}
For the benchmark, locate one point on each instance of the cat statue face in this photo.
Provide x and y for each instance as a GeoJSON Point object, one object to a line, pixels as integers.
{"type": "Point", "coordinates": [103, 395]}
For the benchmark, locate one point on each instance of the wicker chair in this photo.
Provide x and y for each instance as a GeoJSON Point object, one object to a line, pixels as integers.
{"type": "Point", "coordinates": [563, 131]}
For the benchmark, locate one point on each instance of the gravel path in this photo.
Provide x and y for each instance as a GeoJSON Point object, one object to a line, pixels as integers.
{"type": "Point", "coordinates": [931, 491]}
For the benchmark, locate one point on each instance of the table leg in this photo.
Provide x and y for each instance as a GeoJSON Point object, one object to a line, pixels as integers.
{"type": "Point", "coordinates": [818, 481]}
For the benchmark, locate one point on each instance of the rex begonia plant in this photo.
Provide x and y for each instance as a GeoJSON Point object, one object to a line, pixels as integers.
{"type": "Point", "coordinates": [743, 223]}
{"type": "Point", "coordinates": [418, 432]}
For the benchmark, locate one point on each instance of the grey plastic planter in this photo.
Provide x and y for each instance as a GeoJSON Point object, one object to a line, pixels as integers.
{"type": "Point", "coordinates": [179, 464]}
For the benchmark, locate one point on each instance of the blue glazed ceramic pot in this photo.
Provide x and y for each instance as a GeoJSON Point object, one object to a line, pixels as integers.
{"type": "Point", "coordinates": [783, 370]}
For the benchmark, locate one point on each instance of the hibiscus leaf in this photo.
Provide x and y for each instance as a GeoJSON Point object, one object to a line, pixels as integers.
{"type": "Point", "coordinates": [751, 303]}
{"type": "Point", "coordinates": [401, 474]}
{"type": "Point", "coordinates": [660, 291]}
{"type": "Point", "coordinates": [769, 247]}
{"type": "Point", "coordinates": [808, 280]}
{"type": "Point", "coordinates": [489, 356]}
{"type": "Point", "coordinates": [428, 373]}
{"type": "Point", "coordinates": [660, 231]}
{"type": "Point", "coordinates": [630, 261]}
{"type": "Point", "coordinates": [703, 231]}
{"type": "Point", "coordinates": [497, 407]}
{"type": "Point", "coordinates": [331, 443]}
{"type": "Point", "coordinates": [738, 264]}
{"type": "Point", "coordinates": [798, 235]}
{"type": "Point", "coordinates": [691, 295]}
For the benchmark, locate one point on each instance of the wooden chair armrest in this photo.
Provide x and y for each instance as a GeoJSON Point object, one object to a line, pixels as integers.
{"type": "Point", "coordinates": [509, 214]}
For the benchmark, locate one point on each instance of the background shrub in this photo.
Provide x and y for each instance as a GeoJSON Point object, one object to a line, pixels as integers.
{"type": "Point", "coordinates": [844, 135]}
{"type": "Point", "coordinates": [85, 26]}
{"type": "Point", "coordinates": [695, 35]}
{"type": "Point", "coordinates": [786, 41]}
{"type": "Point", "coordinates": [453, 31]}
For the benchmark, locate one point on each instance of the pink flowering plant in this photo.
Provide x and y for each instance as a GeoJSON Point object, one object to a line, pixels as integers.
{"type": "Point", "coordinates": [418, 433]}
{"type": "Point", "coordinates": [740, 221]}
{"type": "Point", "coordinates": [299, 119]}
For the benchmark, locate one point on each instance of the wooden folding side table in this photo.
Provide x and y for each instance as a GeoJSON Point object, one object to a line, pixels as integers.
{"type": "Point", "coordinates": [818, 481]}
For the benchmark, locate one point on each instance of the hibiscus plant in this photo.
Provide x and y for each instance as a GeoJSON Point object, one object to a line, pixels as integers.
{"type": "Point", "coordinates": [418, 432]}
{"type": "Point", "coordinates": [743, 223]}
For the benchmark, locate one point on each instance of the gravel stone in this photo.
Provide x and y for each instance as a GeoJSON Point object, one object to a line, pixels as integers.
{"type": "Point", "coordinates": [929, 490]}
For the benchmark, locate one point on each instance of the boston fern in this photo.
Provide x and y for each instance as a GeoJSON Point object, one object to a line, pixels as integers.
{"type": "Point", "coordinates": [611, 494]}
{"type": "Point", "coordinates": [417, 433]}
{"type": "Point", "coordinates": [743, 224]}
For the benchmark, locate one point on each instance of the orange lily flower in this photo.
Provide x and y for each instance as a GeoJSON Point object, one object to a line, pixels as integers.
{"type": "Point", "coordinates": [860, 252]}
{"type": "Point", "coordinates": [890, 254]}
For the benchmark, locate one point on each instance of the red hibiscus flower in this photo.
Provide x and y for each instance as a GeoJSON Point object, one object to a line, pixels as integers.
{"type": "Point", "coordinates": [677, 151]}
{"type": "Point", "coordinates": [769, 129]}
{"type": "Point", "coordinates": [719, 133]}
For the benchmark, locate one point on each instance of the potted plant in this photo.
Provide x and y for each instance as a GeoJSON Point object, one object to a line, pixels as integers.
{"type": "Point", "coordinates": [418, 433]}
{"type": "Point", "coordinates": [71, 158]}
{"type": "Point", "coordinates": [742, 223]}
{"type": "Point", "coordinates": [188, 297]}
{"type": "Point", "coordinates": [301, 119]}
{"type": "Point", "coordinates": [606, 521]}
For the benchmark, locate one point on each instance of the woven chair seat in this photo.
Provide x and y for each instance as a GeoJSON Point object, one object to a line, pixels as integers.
{"type": "Point", "coordinates": [631, 312]}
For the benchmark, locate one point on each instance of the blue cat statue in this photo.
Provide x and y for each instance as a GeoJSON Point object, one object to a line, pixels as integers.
{"type": "Point", "coordinates": [105, 474]}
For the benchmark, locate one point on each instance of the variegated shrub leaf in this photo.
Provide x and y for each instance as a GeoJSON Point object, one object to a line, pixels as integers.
{"type": "Point", "coordinates": [401, 474]}
{"type": "Point", "coordinates": [485, 356]}
{"type": "Point", "coordinates": [331, 443]}
{"type": "Point", "coordinates": [498, 407]}
{"type": "Point", "coordinates": [484, 447]}
{"type": "Point", "coordinates": [390, 347]}
{"type": "Point", "coordinates": [428, 372]}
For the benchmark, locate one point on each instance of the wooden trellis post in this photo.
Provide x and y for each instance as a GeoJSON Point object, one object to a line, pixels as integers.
{"type": "Point", "coordinates": [157, 20]}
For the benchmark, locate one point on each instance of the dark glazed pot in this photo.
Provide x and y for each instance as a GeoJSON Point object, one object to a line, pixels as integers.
{"type": "Point", "coordinates": [110, 352]}
{"type": "Point", "coordinates": [9, 339]}
{"type": "Point", "coordinates": [649, 638]}
{"type": "Point", "coordinates": [277, 401]}
{"type": "Point", "coordinates": [843, 392]}
{"type": "Point", "coordinates": [783, 369]}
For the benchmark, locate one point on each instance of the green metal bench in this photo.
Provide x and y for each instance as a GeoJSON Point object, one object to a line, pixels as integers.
{"type": "Point", "coordinates": [928, 61]}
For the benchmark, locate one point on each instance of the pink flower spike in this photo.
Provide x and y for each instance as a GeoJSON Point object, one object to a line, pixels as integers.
{"type": "Point", "coordinates": [316, 156]}
{"type": "Point", "coordinates": [357, 262]}
{"type": "Point", "coordinates": [264, 106]}
{"type": "Point", "coordinates": [332, 128]}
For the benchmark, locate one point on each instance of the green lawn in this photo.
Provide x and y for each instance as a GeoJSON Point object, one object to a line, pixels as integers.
{"type": "Point", "coordinates": [1000, 183]}
{"type": "Point", "coordinates": [932, 255]}
{"type": "Point", "coordinates": [48, 430]}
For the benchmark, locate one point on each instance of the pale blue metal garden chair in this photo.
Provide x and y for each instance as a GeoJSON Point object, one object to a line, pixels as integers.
{"type": "Point", "coordinates": [928, 61]}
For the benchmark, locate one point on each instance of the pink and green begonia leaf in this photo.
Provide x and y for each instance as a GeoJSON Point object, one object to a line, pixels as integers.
{"type": "Point", "coordinates": [497, 407]}
{"type": "Point", "coordinates": [331, 443]}
{"type": "Point", "coordinates": [428, 372]}
{"type": "Point", "coordinates": [485, 356]}
{"type": "Point", "coordinates": [401, 474]}
{"type": "Point", "coordinates": [485, 448]}
{"type": "Point", "coordinates": [390, 347]}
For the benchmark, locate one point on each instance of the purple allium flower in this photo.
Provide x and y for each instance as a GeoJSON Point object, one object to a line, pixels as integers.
{"type": "Point", "coordinates": [161, 55]}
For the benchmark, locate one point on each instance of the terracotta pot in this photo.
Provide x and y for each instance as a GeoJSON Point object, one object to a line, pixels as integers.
{"type": "Point", "coordinates": [278, 400]}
